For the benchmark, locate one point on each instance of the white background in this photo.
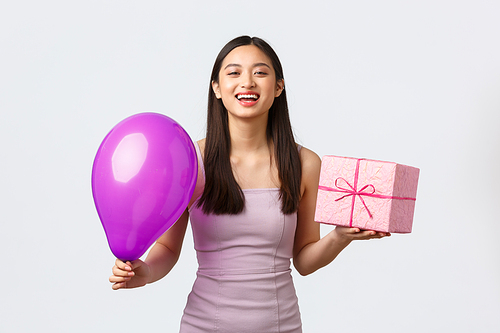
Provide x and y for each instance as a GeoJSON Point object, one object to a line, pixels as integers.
{"type": "Point", "coordinates": [415, 82]}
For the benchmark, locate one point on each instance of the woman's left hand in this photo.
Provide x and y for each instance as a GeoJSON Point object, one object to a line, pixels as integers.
{"type": "Point", "coordinates": [350, 234]}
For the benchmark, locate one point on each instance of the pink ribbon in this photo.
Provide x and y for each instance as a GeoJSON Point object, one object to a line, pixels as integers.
{"type": "Point", "coordinates": [351, 190]}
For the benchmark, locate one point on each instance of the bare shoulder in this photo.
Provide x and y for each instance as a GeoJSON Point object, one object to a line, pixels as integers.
{"type": "Point", "coordinates": [310, 160]}
{"type": "Point", "coordinates": [201, 144]}
{"type": "Point", "coordinates": [200, 181]}
{"type": "Point", "coordinates": [311, 165]}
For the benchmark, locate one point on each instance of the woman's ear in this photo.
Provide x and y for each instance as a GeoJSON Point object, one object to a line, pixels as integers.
{"type": "Point", "coordinates": [215, 87]}
{"type": "Point", "coordinates": [280, 85]}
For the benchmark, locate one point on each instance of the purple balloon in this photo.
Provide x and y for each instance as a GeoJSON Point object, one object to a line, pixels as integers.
{"type": "Point", "coordinates": [143, 177]}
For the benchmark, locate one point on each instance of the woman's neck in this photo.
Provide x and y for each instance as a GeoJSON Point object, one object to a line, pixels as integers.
{"type": "Point", "coordinates": [248, 136]}
{"type": "Point", "coordinates": [251, 155]}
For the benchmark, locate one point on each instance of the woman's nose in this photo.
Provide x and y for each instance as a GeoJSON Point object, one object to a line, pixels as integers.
{"type": "Point", "coordinates": [247, 81]}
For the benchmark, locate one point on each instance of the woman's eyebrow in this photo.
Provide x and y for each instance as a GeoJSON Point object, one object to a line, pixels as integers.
{"type": "Point", "coordinates": [232, 65]}
{"type": "Point", "coordinates": [254, 65]}
{"type": "Point", "coordinates": [261, 64]}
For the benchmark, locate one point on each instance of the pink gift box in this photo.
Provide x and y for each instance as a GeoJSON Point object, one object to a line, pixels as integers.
{"type": "Point", "coordinates": [367, 194]}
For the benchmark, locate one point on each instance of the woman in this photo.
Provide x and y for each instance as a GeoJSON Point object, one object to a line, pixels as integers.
{"type": "Point", "coordinates": [252, 209]}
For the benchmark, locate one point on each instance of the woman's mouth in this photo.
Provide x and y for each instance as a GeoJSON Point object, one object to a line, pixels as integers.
{"type": "Point", "coordinates": [247, 97]}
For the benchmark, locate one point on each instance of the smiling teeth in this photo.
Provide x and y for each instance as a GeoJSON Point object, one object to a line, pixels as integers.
{"type": "Point", "coordinates": [247, 96]}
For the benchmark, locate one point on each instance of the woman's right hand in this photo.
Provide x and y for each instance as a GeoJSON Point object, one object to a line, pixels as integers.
{"type": "Point", "coordinates": [129, 274]}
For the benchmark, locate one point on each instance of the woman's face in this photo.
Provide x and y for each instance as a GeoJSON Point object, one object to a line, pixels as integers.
{"type": "Point", "coordinates": [247, 82]}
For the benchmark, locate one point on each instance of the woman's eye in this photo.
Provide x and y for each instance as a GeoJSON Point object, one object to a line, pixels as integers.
{"type": "Point", "coordinates": [260, 73]}
{"type": "Point", "coordinates": [233, 73]}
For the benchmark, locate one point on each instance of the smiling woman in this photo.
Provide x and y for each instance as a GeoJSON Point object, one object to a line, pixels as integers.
{"type": "Point", "coordinates": [248, 76]}
{"type": "Point", "coordinates": [252, 209]}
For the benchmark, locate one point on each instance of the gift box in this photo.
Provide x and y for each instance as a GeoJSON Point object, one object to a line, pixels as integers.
{"type": "Point", "coordinates": [367, 194]}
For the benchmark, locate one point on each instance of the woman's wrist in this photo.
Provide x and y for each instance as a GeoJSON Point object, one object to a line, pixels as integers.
{"type": "Point", "coordinates": [339, 238]}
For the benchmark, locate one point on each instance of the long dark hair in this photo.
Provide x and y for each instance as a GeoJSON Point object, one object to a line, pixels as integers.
{"type": "Point", "coordinates": [222, 194]}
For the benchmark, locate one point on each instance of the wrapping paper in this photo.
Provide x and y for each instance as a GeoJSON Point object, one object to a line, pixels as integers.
{"type": "Point", "coordinates": [367, 194]}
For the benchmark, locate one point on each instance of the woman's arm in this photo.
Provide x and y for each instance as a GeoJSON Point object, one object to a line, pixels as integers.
{"type": "Point", "coordinates": [164, 254]}
{"type": "Point", "coordinates": [310, 252]}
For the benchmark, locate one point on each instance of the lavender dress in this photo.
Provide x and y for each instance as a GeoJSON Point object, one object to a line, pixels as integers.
{"type": "Point", "coordinates": [243, 281]}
